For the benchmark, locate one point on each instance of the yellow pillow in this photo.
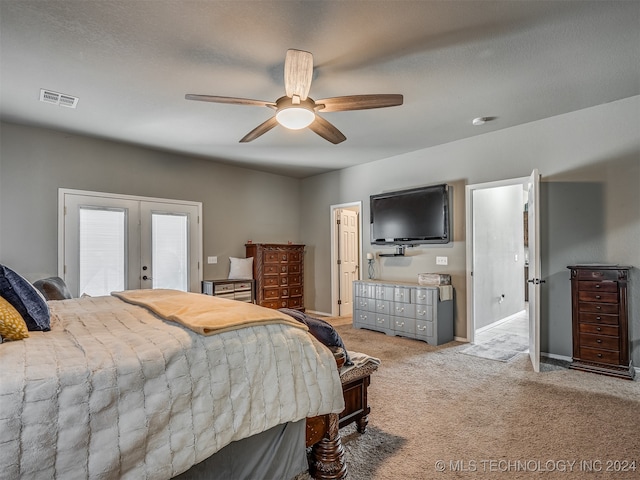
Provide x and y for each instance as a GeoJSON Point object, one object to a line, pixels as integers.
{"type": "Point", "coordinates": [12, 326]}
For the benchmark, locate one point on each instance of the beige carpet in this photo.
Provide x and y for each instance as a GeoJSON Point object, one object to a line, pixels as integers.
{"type": "Point", "coordinates": [437, 413]}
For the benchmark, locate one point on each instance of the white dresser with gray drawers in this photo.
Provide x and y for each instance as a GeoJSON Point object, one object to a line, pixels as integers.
{"type": "Point", "coordinates": [403, 309]}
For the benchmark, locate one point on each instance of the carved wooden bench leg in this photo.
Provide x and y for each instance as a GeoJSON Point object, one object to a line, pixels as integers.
{"type": "Point", "coordinates": [327, 456]}
{"type": "Point", "coordinates": [362, 424]}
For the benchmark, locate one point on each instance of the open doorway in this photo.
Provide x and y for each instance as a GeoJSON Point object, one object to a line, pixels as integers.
{"type": "Point", "coordinates": [346, 252]}
{"type": "Point", "coordinates": [501, 313]}
{"type": "Point", "coordinates": [500, 260]}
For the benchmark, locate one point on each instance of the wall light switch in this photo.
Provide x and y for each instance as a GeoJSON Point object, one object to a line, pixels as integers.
{"type": "Point", "coordinates": [212, 260]}
{"type": "Point", "coordinates": [442, 260]}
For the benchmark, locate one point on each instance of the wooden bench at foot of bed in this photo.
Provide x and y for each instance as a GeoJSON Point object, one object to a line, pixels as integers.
{"type": "Point", "coordinates": [326, 461]}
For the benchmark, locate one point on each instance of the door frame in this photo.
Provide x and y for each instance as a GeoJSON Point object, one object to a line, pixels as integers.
{"type": "Point", "coordinates": [469, 189]}
{"type": "Point", "coordinates": [335, 291]}
{"type": "Point", "coordinates": [137, 198]}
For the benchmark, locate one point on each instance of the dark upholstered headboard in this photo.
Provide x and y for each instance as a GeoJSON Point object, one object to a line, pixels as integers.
{"type": "Point", "coordinates": [53, 288]}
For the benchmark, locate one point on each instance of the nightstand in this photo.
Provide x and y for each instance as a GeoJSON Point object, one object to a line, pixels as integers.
{"type": "Point", "coordinates": [241, 290]}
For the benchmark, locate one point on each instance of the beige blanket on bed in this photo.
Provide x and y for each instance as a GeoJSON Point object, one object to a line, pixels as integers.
{"type": "Point", "coordinates": [205, 314]}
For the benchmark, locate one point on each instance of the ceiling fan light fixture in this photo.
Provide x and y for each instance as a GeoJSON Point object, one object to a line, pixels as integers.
{"type": "Point", "coordinates": [295, 118]}
{"type": "Point", "coordinates": [296, 110]}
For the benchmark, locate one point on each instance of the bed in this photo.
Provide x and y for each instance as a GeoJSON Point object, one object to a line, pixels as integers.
{"type": "Point", "coordinates": [115, 391]}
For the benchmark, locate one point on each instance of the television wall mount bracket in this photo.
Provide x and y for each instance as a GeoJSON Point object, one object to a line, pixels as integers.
{"type": "Point", "coordinates": [398, 253]}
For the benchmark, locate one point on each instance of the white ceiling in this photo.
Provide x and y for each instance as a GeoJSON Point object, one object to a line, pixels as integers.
{"type": "Point", "coordinates": [131, 63]}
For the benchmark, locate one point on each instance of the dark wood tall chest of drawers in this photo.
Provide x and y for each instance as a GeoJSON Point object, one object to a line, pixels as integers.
{"type": "Point", "coordinates": [600, 312]}
{"type": "Point", "coordinates": [278, 270]}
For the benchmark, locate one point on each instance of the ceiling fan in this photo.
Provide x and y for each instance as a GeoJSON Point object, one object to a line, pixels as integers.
{"type": "Point", "coordinates": [296, 110]}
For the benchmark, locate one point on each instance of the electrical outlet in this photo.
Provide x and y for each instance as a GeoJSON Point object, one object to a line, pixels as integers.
{"type": "Point", "coordinates": [442, 260]}
{"type": "Point", "coordinates": [211, 260]}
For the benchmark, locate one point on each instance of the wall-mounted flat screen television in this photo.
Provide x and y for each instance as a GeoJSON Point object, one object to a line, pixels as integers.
{"type": "Point", "coordinates": [411, 217]}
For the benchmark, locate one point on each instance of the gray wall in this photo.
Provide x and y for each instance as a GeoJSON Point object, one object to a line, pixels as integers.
{"type": "Point", "coordinates": [498, 253]}
{"type": "Point", "coordinates": [238, 204]}
{"type": "Point", "coordinates": [592, 150]}
{"type": "Point", "coordinates": [600, 144]}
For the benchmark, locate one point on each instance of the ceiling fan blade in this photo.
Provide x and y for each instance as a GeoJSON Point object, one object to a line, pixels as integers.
{"type": "Point", "coordinates": [232, 100]}
{"type": "Point", "coordinates": [359, 102]}
{"type": "Point", "coordinates": [326, 130]}
{"type": "Point", "coordinates": [260, 130]}
{"type": "Point", "coordinates": [298, 71]}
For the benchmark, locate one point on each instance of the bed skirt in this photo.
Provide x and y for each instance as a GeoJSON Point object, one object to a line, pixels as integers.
{"type": "Point", "coordinates": [275, 454]}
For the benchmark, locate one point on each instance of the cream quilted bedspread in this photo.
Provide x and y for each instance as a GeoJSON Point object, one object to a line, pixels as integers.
{"type": "Point", "coordinates": [114, 392]}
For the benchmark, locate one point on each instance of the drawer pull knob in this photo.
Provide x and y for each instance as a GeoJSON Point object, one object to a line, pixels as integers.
{"type": "Point", "coordinates": [400, 324]}
{"type": "Point", "coordinates": [400, 309]}
{"type": "Point", "coordinates": [599, 340]}
{"type": "Point", "coordinates": [598, 307]}
{"type": "Point", "coordinates": [598, 318]}
{"type": "Point", "coordinates": [598, 297]}
{"type": "Point", "coordinates": [599, 329]}
{"type": "Point", "coordinates": [422, 329]}
{"type": "Point", "coordinates": [599, 355]}
{"type": "Point", "coordinates": [598, 286]}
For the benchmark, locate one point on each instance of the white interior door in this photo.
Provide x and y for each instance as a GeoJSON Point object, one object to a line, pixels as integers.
{"type": "Point", "coordinates": [534, 269]}
{"type": "Point", "coordinates": [110, 242]}
{"type": "Point", "coordinates": [347, 258]}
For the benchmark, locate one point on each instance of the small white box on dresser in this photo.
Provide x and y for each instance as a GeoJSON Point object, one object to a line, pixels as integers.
{"type": "Point", "coordinates": [434, 279]}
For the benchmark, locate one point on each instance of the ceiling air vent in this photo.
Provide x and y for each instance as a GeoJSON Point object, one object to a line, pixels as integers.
{"type": "Point", "coordinates": [60, 99]}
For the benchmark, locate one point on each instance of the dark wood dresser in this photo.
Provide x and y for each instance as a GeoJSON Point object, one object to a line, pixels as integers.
{"type": "Point", "coordinates": [600, 314]}
{"type": "Point", "coordinates": [278, 270]}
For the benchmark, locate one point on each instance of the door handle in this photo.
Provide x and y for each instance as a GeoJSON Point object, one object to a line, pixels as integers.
{"type": "Point", "coordinates": [144, 277]}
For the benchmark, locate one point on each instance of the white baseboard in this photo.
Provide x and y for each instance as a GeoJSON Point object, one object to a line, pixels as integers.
{"type": "Point", "coordinates": [460, 339]}
{"type": "Point", "coordinates": [556, 357]}
{"type": "Point", "coordinates": [500, 322]}
{"type": "Point", "coordinates": [319, 314]}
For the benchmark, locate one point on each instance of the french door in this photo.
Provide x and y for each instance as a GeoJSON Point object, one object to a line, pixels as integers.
{"type": "Point", "coordinates": [116, 242]}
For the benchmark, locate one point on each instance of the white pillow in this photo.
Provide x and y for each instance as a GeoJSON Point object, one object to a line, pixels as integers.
{"type": "Point", "coordinates": [241, 268]}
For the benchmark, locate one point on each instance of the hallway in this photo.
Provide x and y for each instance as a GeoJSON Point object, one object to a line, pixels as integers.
{"type": "Point", "coordinates": [504, 341]}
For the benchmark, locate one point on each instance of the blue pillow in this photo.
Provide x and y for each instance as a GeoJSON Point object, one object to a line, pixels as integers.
{"type": "Point", "coordinates": [323, 331]}
{"type": "Point", "coordinates": [25, 299]}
